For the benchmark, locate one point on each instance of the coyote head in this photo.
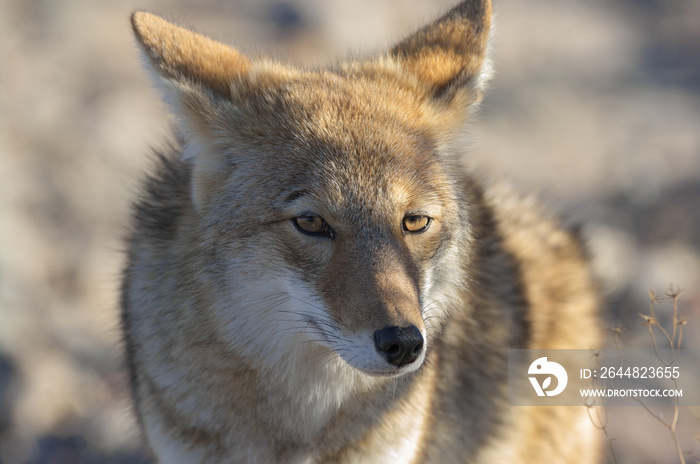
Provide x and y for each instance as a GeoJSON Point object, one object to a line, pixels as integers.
{"type": "Point", "coordinates": [323, 209]}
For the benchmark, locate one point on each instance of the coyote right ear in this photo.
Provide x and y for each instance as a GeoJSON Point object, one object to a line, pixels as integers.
{"type": "Point", "coordinates": [196, 75]}
{"type": "Point", "coordinates": [451, 53]}
{"type": "Point", "coordinates": [183, 56]}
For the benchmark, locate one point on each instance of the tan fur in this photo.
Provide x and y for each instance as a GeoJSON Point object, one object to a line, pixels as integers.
{"type": "Point", "coordinates": [252, 340]}
{"type": "Point", "coordinates": [178, 52]}
{"type": "Point", "coordinates": [448, 53]}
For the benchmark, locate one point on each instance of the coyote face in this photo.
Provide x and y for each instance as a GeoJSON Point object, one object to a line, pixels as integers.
{"type": "Point", "coordinates": [334, 185]}
{"type": "Point", "coordinates": [348, 216]}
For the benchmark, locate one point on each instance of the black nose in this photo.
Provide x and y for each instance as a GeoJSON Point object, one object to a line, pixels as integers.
{"type": "Point", "coordinates": [399, 345]}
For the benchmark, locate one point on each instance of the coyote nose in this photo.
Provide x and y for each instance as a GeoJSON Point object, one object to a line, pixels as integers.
{"type": "Point", "coordinates": [399, 345]}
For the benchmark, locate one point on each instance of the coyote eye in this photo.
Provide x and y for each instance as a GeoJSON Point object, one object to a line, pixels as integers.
{"type": "Point", "coordinates": [416, 223]}
{"type": "Point", "coordinates": [312, 224]}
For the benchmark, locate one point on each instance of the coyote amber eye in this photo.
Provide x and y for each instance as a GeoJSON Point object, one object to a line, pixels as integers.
{"type": "Point", "coordinates": [416, 223]}
{"type": "Point", "coordinates": [311, 224]}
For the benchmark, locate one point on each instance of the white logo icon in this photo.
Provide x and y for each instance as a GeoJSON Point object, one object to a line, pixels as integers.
{"type": "Point", "coordinates": [542, 366]}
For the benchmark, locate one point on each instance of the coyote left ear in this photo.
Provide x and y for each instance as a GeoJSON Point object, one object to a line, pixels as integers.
{"type": "Point", "coordinates": [451, 53]}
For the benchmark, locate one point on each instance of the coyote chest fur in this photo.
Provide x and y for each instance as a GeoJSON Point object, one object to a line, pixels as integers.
{"type": "Point", "coordinates": [314, 277]}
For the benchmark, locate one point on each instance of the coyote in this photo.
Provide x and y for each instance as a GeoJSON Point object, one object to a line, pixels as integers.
{"type": "Point", "coordinates": [314, 276]}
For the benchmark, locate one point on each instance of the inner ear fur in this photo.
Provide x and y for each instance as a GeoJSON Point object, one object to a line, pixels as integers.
{"type": "Point", "coordinates": [179, 54]}
{"type": "Point", "coordinates": [450, 53]}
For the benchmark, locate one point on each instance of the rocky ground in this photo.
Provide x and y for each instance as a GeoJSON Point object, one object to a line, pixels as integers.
{"type": "Point", "coordinates": [595, 105]}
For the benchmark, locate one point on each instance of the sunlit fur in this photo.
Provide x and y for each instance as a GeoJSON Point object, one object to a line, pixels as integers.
{"type": "Point", "coordinates": [250, 339]}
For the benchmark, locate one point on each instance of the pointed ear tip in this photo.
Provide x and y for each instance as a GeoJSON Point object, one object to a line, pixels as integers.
{"type": "Point", "coordinates": [142, 21]}
{"type": "Point", "coordinates": [138, 19]}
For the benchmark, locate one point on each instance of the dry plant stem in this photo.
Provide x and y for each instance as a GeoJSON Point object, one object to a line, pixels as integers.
{"type": "Point", "coordinates": [655, 321]}
{"type": "Point", "coordinates": [670, 427]}
{"type": "Point", "coordinates": [652, 321]}
{"type": "Point", "coordinates": [672, 293]}
{"type": "Point", "coordinates": [602, 423]}
{"type": "Point", "coordinates": [603, 426]}
{"type": "Point", "coordinates": [675, 313]}
{"type": "Point", "coordinates": [616, 333]}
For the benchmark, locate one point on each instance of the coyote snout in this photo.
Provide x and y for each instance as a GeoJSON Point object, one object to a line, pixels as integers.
{"type": "Point", "coordinates": [376, 320]}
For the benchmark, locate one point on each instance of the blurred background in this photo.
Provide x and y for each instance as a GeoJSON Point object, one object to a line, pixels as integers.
{"type": "Point", "coordinates": [595, 106]}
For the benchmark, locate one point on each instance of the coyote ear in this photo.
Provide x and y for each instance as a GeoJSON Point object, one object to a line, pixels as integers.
{"type": "Point", "coordinates": [450, 54]}
{"type": "Point", "coordinates": [183, 56]}
{"type": "Point", "coordinates": [196, 74]}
